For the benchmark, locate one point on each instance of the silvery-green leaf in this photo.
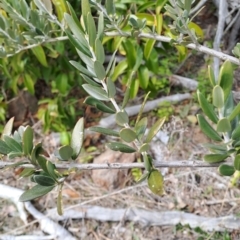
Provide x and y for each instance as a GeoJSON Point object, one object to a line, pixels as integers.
{"type": "Point", "coordinates": [65, 152]}
{"type": "Point", "coordinates": [96, 92]}
{"type": "Point", "coordinates": [37, 149]}
{"type": "Point", "coordinates": [27, 172]}
{"type": "Point", "coordinates": [99, 70]}
{"type": "Point", "coordinates": [116, 146]}
{"type": "Point", "coordinates": [155, 129]}
{"type": "Point", "coordinates": [35, 192]}
{"type": "Point", "coordinates": [218, 97]}
{"type": "Point", "coordinates": [122, 118]}
{"type": "Point", "coordinates": [13, 154]}
{"type": "Point", "coordinates": [223, 125]}
{"type": "Point", "coordinates": [90, 81]}
{"type": "Point", "coordinates": [144, 148]}
{"type": "Point", "coordinates": [111, 88]}
{"type": "Point", "coordinates": [99, 51]}
{"type": "Point", "coordinates": [127, 135]}
{"type": "Point", "coordinates": [141, 127]}
{"type": "Point", "coordinates": [12, 144]}
{"type": "Point", "coordinates": [77, 138]}
{"type": "Point", "coordinates": [91, 29]}
{"type": "Point", "coordinates": [4, 148]}
{"type": "Point", "coordinates": [110, 7]}
{"type": "Point", "coordinates": [99, 105]}
{"type": "Point", "coordinates": [211, 76]}
{"type": "Point", "coordinates": [235, 112]}
{"type": "Point", "coordinates": [105, 131]}
{"type": "Point", "coordinates": [82, 69]}
{"type": "Point", "coordinates": [85, 10]}
{"type": "Point", "coordinates": [42, 162]}
{"type": "Point", "coordinates": [236, 133]}
{"type": "Point", "coordinates": [100, 31]}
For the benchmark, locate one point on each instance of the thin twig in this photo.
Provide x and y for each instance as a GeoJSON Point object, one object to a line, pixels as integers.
{"type": "Point", "coordinates": [91, 166]}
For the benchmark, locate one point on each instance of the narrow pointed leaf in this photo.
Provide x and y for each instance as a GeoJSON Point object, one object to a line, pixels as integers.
{"type": "Point", "coordinates": [4, 148]}
{"type": "Point", "coordinates": [116, 146]}
{"type": "Point", "coordinates": [105, 131]}
{"type": "Point", "coordinates": [27, 140]}
{"type": "Point", "coordinates": [215, 158]}
{"type": "Point", "coordinates": [91, 29]}
{"type": "Point", "coordinates": [35, 192]}
{"type": "Point", "coordinates": [236, 133]}
{"type": "Point", "coordinates": [100, 31]}
{"type": "Point", "coordinates": [141, 127]}
{"type": "Point", "coordinates": [77, 138]}
{"type": "Point", "coordinates": [99, 51]}
{"type": "Point", "coordinates": [42, 161]}
{"type": "Point", "coordinates": [211, 76]}
{"type": "Point", "coordinates": [127, 135]}
{"type": "Point", "coordinates": [235, 112]}
{"type": "Point", "coordinates": [226, 78]}
{"type": "Point", "coordinates": [14, 165]}
{"type": "Point", "coordinates": [85, 10]}
{"type": "Point", "coordinates": [110, 7]}
{"type": "Point", "coordinates": [96, 92]}
{"type": "Point", "coordinates": [99, 105]}
{"type": "Point", "coordinates": [13, 154]}
{"type": "Point", "coordinates": [51, 168]}
{"type": "Point", "coordinates": [142, 107]}
{"type": "Point", "coordinates": [143, 178]}
{"type": "Point", "coordinates": [40, 55]}
{"type": "Point", "coordinates": [82, 69]}
{"type": "Point", "coordinates": [99, 70]}
{"type": "Point", "coordinates": [111, 88]}
{"type": "Point", "coordinates": [37, 149]}
{"type": "Point", "coordinates": [207, 108]}
{"type": "Point", "coordinates": [12, 144]}
{"type": "Point", "coordinates": [155, 129]}
{"type": "Point", "coordinates": [207, 129]}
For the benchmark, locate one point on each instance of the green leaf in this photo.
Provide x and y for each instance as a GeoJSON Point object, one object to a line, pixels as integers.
{"type": "Point", "coordinates": [207, 129]}
{"type": "Point", "coordinates": [62, 83]}
{"type": "Point", "coordinates": [91, 29]}
{"type": "Point", "coordinates": [100, 31]}
{"type": "Point", "coordinates": [207, 108]}
{"type": "Point", "coordinates": [134, 88]}
{"type": "Point", "coordinates": [99, 51]}
{"type": "Point", "coordinates": [8, 127]}
{"type": "Point", "coordinates": [42, 161]}
{"type": "Point", "coordinates": [119, 69]}
{"type": "Point", "coordinates": [4, 148]}
{"type": "Point", "coordinates": [218, 97]}
{"type": "Point", "coordinates": [234, 113]}
{"type": "Point", "coordinates": [99, 105]}
{"type": "Point", "coordinates": [144, 148]}
{"type": "Point", "coordinates": [37, 149]}
{"type": "Point", "coordinates": [122, 118]}
{"type": "Point", "coordinates": [27, 140]}
{"type": "Point", "coordinates": [85, 10]}
{"type": "Point", "coordinates": [142, 107]}
{"type": "Point", "coordinates": [99, 70]}
{"type": "Point", "coordinates": [96, 92]}
{"type": "Point", "coordinates": [12, 144]}
{"type": "Point", "coordinates": [226, 170]}
{"type": "Point", "coordinates": [13, 154]}
{"type": "Point", "coordinates": [155, 182]}
{"type": "Point", "coordinates": [90, 81]}
{"type": "Point", "coordinates": [116, 146]}
{"type": "Point", "coordinates": [155, 129]}
{"type": "Point", "coordinates": [40, 55]}
{"type": "Point", "coordinates": [215, 158]}
{"type": "Point", "coordinates": [216, 148]}
{"type": "Point", "coordinates": [224, 125]}
{"type": "Point", "coordinates": [29, 83]}
{"type": "Point", "coordinates": [110, 7]}
{"type": "Point", "coordinates": [44, 180]}
{"type": "Point", "coordinates": [139, 58]}
{"type": "Point", "coordinates": [143, 76]}
{"type": "Point", "coordinates": [211, 76]}
{"type": "Point", "coordinates": [225, 79]}
{"type": "Point", "coordinates": [82, 69]}
{"type": "Point", "coordinates": [105, 131]}
{"type": "Point", "coordinates": [111, 88]}
{"type": "Point", "coordinates": [148, 48]}
{"type": "Point", "coordinates": [35, 192]}
{"type": "Point", "coordinates": [65, 152]}
{"type": "Point", "coordinates": [27, 172]}
{"type": "Point", "coordinates": [127, 135]}
{"type": "Point", "coordinates": [77, 138]}
{"type": "Point", "coordinates": [141, 127]}
{"type": "Point", "coordinates": [236, 133]}
{"type": "Point", "coordinates": [143, 178]}
{"type": "Point", "coordinates": [14, 165]}
{"type": "Point", "coordinates": [237, 162]}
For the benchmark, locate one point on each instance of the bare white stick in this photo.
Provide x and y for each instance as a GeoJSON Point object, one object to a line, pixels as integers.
{"type": "Point", "coordinates": [46, 224]}
{"type": "Point", "coordinates": [151, 218]}
{"type": "Point", "coordinates": [91, 166]}
{"type": "Point", "coordinates": [188, 83]}
{"type": "Point", "coordinates": [219, 34]}
{"type": "Point", "coordinates": [150, 105]}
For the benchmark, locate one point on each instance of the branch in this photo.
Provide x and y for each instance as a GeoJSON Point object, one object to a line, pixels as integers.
{"type": "Point", "coordinates": [201, 48]}
{"type": "Point", "coordinates": [91, 166]}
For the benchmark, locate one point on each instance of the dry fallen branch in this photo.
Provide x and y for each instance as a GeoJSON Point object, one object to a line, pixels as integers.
{"type": "Point", "coordinates": [91, 166]}
{"type": "Point", "coordinates": [46, 224]}
{"type": "Point", "coordinates": [150, 218]}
